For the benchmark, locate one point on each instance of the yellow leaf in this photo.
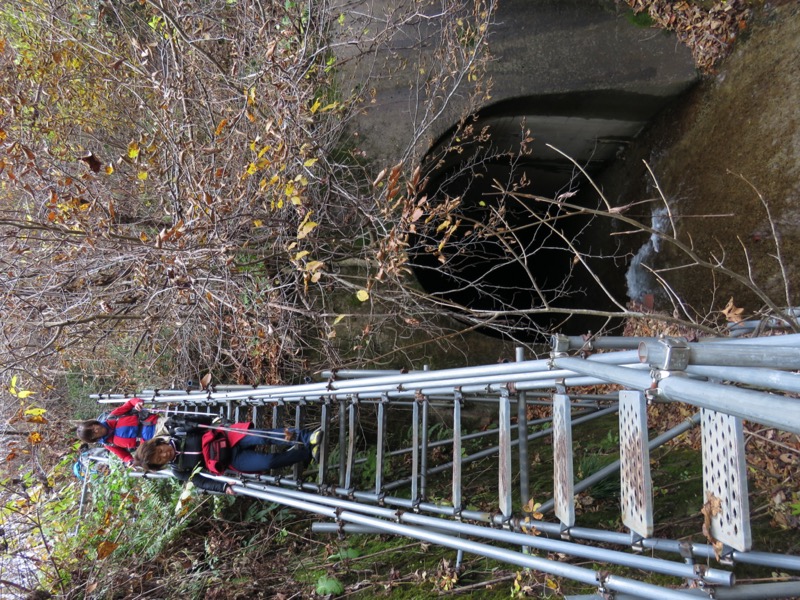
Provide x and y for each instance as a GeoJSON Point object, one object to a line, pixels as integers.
{"type": "Point", "coordinates": [337, 319]}
{"type": "Point", "coordinates": [35, 412]}
{"type": "Point", "coordinates": [315, 106]}
{"type": "Point", "coordinates": [24, 394]}
{"type": "Point", "coordinates": [133, 150]}
{"type": "Point", "coordinates": [329, 107]}
{"type": "Point", "coordinates": [301, 254]}
{"type": "Point", "coordinates": [310, 162]}
{"type": "Point", "coordinates": [362, 295]}
{"type": "Point", "coordinates": [314, 265]}
{"type": "Point", "coordinates": [142, 175]}
{"type": "Point", "coordinates": [258, 223]}
{"type": "Point", "coordinates": [109, 169]}
{"type": "Point", "coordinates": [35, 437]}
{"type": "Point", "coordinates": [143, 236]}
{"type": "Point", "coordinates": [306, 228]}
{"type": "Point", "coordinates": [296, 200]}
{"type": "Point", "coordinates": [251, 169]}
{"type": "Point", "coordinates": [316, 277]}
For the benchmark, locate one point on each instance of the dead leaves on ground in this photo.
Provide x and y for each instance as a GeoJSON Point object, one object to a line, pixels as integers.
{"type": "Point", "coordinates": [708, 33]}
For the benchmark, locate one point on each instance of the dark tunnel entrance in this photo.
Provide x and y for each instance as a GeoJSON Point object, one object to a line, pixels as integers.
{"type": "Point", "coordinates": [518, 240]}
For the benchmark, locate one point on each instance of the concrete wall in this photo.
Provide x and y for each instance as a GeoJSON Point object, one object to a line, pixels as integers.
{"type": "Point", "coordinates": [539, 48]}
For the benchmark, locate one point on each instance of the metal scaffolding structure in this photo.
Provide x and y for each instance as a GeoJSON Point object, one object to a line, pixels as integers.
{"type": "Point", "coordinates": [371, 479]}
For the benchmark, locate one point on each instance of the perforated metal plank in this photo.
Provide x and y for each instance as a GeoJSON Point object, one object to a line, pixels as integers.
{"type": "Point", "coordinates": [563, 481]}
{"type": "Point", "coordinates": [725, 479]}
{"type": "Point", "coordinates": [457, 500]}
{"type": "Point", "coordinates": [504, 455]}
{"type": "Point", "coordinates": [637, 492]}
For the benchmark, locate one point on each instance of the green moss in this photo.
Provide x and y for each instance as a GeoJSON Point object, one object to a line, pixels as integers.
{"type": "Point", "coordinates": [641, 19]}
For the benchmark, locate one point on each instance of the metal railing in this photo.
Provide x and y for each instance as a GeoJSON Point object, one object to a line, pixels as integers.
{"type": "Point", "coordinates": [727, 380]}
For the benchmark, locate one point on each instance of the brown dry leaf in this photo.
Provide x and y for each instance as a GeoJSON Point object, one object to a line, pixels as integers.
{"type": "Point", "coordinates": [732, 312]}
{"type": "Point", "coordinates": [205, 381]}
{"type": "Point", "coordinates": [711, 509]}
{"type": "Point", "coordinates": [105, 548]}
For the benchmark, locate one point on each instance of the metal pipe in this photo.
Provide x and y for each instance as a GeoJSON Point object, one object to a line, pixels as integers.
{"type": "Point", "coordinates": [675, 569]}
{"type": "Point", "coordinates": [500, 372]}
{"type": "Point", "coordinates": [581, 574]}
{"type": "Point", "coordinates": [762, 378]}
{"type": "Point", "coordinates": [705, 551]}
{"type": "Point", "coordinates": [359, 373]}
{"type": "Point", "coordinates": [768, 409]}
{"type": "Point", "coordinates": [785, 357]}
{"type": "Point", "coordinates": [631, 378]}
{"type": "Point", "coordinates": [758, 591]}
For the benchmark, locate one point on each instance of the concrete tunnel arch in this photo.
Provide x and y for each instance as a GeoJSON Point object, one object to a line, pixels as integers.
{"type": "Point", "coordinates": [578, 72]}
{"type": "Point", "coordinates": [593, 129]}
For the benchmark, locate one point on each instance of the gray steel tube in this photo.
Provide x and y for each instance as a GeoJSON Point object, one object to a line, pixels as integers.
{"type": "Point", "coordinates": [714, 576]}
{"type": "Point", "coordinates": [756, 591]}
{"type": "Point", "coordinates": [726, 355]}
{"type": "Point", "coordinates": [768, 409]}
{"type": "Point", "coordinates": [634, 379]}
{"type": "Point", "coordinates": [763, 378]}
{"type": "Point", "coordinates": [583, 575]}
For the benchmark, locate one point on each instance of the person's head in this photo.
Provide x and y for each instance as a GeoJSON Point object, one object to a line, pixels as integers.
{"type": "Point", "coordinates": [154, 454]}
{"type": "Point", "coordinates": [91, 431]}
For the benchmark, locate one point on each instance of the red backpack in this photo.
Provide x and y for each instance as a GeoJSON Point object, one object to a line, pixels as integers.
{"type": "Point", "coordinates": [216, 448]}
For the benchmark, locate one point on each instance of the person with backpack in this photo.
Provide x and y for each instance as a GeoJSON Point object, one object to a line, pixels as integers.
{"type": "Point", "coordinates": [216, 448]}
{"type": "Point", "coordinates": [121, 430]}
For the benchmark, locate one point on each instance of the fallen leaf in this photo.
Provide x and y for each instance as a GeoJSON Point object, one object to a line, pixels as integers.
{"type": "Point", "coordinates": [205, 381]}
{"type": "Point", "coordinates": [732, 312]}
{"type": "Point", "coordinates": [105, 548]}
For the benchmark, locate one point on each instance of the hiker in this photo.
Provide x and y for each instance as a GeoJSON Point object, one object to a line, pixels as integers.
{"type": "Point", "coordinates": [216, 448]}
{"type": "Point", "coordinates": [121, 430]}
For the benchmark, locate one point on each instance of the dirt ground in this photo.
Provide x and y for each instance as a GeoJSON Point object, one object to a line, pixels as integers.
{"type": "Point", "coordinates": [734, 136]}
